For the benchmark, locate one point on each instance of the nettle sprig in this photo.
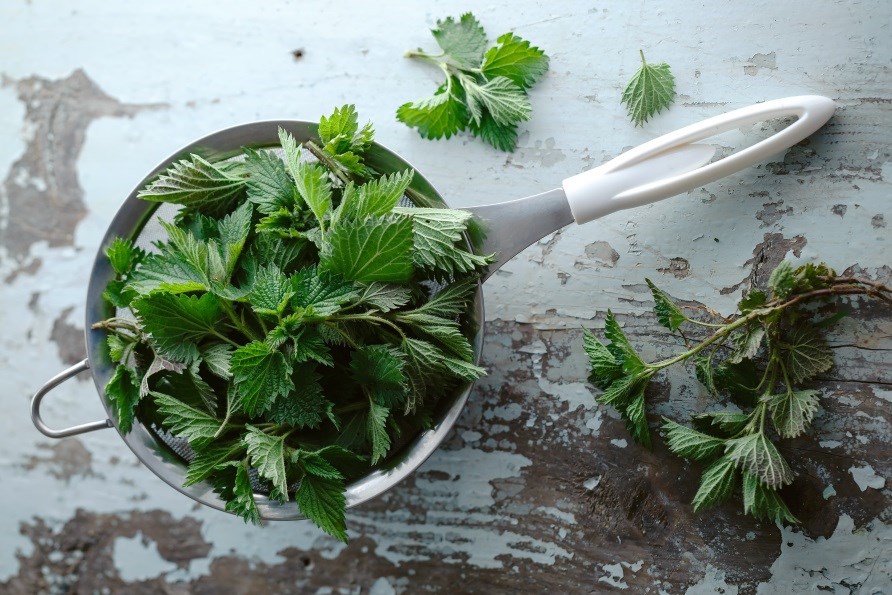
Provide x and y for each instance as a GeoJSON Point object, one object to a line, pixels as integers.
{"type": "Point", "coordinates": [760, 358]}
{"type": "Point", "coordinates": [485, 90]}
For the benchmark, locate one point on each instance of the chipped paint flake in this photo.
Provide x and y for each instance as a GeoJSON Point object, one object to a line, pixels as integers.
{"type": "Point", "coordinates": [866, 477]}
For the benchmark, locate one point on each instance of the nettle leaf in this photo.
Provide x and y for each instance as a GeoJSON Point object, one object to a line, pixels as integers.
{"type": "Point", "coordinates": [651, 90]}
{"type": "Point", "coordinates": [207, 461]}
{"type": "Point", "coordinates": [242, 502]}
{"type": "Point", "coordinates": [636, 419]}
{"type": "Point", "coordinates": [322, 501]}
{"type": "Point", "coordinates": [753, 300]}
{"type": "Point", "coordinates": [792, 411]}
{"type": "Point", "coordinates": [704, 372]}
{"type": "Point", "coordinates": [377, 430]}
{"type": "Point", "coordinates": [314, 464]}
{"type": "Point", "coordinates": [269, 186]}
{"type": "Point", "coordinates": [668, 314]}
{"type": "Point", "coordinates": [261, 374]}
{"type": "Point", "coordinates": [176, 323]}
{"type": "Point", "coordinates": [605, 367]}
{"type": "Point", "coordinates": [321, 290]}
{"type": "Point", "coordinates": [451, 338]}
{"type": "Point", "coordinates": [620, 392]}
{"type": "Point", "coordinates": [186, 421]}
{"type": "Point", "coordinates": [379, 370]}
{"type": "Point", "coordinates": [764, 503]}
{"type": "Point", "coordinates": [267, 455]}
{"type": "Point", "coordinates": [809, 277]}
{"type": "Point", "coordinates": [377, 249]}
{"type": "Point", "coordinates": [270, 292]}
{"type": "Point", "coordinates": [748, 344]}
{"type": "Point", "coordinates": [756, 454]}
{"type": "Point", "coordinates": [806, 353]}
{"type": "Point", "coordinates": [439, 116]}
{"type": "Point", "coordinates": [505, 101]}
{"type": "Point", "coordinates": [117, 347]}
{"type": "Point", "coordinates": [439, 241]}
{"type": "Point", "coordinates": [620, 346]}
{"type": "Point", "coordinates": [691, 444]}
{"type": "Point", "coordinates": [781, 280]}
{"type": "Point", "coordinates": [218, 358]}
{"type": "Point", "coordinates": [738, 380]}
{"type": "Point", "coordinates": [314, 186]}
{"type": "Point", "coordinates": [516, 59]}
{"type": "Point", "coordinates": [385, 296]}
{"type": "Point", "coordinates": [376, 197]}
{"type": "Point", "coordinates": [716, 484]}
{"type": "Point", "coordinates": [729, 423]}
{"type": "Point", "coordinates": [305, 405]}
{"type": "Point", "coordinates": [449, 302]}
{"type": "Point", "coordinates": [159, 364]}
{"type": "Point", "coordinates": [464, 40]}
{"type": "Point", "coordinates": [501, 136]}
{"type": "Point", "coordinates": [342, 138]}
{"type": "Point", "coordinates": [197, 184]}
{"type": "Point", "coordinates": [123, 255]}
{"type": "Point", "coordinates": [123, 392]}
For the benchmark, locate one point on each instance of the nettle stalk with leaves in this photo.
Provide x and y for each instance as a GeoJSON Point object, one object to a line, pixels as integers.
{"type": "Point", "coordinates": [288, 327]}
{"type": "Point", "coordinates": [760, 358]}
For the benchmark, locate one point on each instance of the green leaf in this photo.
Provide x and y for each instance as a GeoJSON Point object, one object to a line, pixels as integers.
{"type": "Point", "coordinates": [322, 291]}
{"type": "Point", "coordinates": [271, 291]}
{"type": "Point", "coordinates": [377, 197]}
{"type": "Point", "coordinates": [197, 184]}
{"type": "Point", "coordinates": [729, 423]}
{"type": "Point", "coordinates": [379, 370]}
{"type": "Point", "coordinates": [739, 380]}
{"type": "Point", "coordinates": [620, 393]}
{"type": "Point", "coordinates": [269, 185]}
{"type": "Point", "coordinates": [377, 249]}
{"type": "Point", "coordinates": [668, 314]}
{"type": "Point", "coordinates": [500, 136]}
{"type": "Point", "coordinates": [123, 392]}
{"type": "Point", "coordinates": [342, 138]}
{"type": "Point", "coordinates": [439, 241]}
{"type": "Point", "coordinates": [792, 411]}
{"type": "Point", "coordinates": [810, 277]}
{"type": "Point", "coordinates": [756, 454]}
{"type": "Point", "coordinates": [377, 429]}
{"type": "Point", "coordinates": [651, 90]}
{"type": "Point", "coordinates": [181, 266]}
{"type": "Point", "coordinates": [314, 464]}
{"type": "Point", "coordinates": [764, 503]}
{"type": "Point", "coordinates": [605, 368]}
{"type": "Point", "coordinates": [314, 186]}
{"type": "Point", "coordinates": [636, 420]}
{"type": "Point", "coordinates": [303, 407]}
{"type": "Point", "coordinates": [439, 116]}
{"type": "Point", "coordinates": [322, 501]}
{"type": "Point", "coordinates": [116, 347]}
{"type": "Point", "coordinates": [704, 371]}
{"type": "Point", "coordinates": [754, 299]}
{"type": "Point", "coordinates": [506, 102]}
{"type": "Point", "coordinates": [185, 421]}
{"type": "Point", "coordinates": [805, 352]}
{"type": "Point", "coordinates": [218, 358]}
{"type": "Point", "coordinates": [716, 484]}
{"type": "Point", "coordinates": [123, 255]}
{"type": "Point", "coordinates": [620, 346]}
{"type": "Point", "coordinates": [267, 454]}
{"type": "Point", "coordinates": [451, 338]}
{"type": "Point", "coordinates": [781, 280]}
{"type": "Point", "coordinates": [747, 344]}
{"type": "Point", "coordinates": [450, 302]}
{"type": "Point", "coordinates": [242, 502]}
{"type": "Point", "coordinates": [261, 374]}
{"type": "Point", "coordinates": [384, 296]}
{"type": "Point", "coordinates": [464, 40]}
{"type": "Point", "coordinates": [691, 444]}
{"type": "Point", "coordinates": [176, 323]}
{"type": "Point", "coordinates": [159, 364]}
{"type": "Point", "coordinates": [516, 59]}
{"type": "Point", "coordinates": [210, 459]}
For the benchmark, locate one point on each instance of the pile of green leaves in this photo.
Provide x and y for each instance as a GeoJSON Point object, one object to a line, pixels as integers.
{"type": "Point", "coordinates": [759, 358]}
{"type": "Point", "coordinates": [485, 90]}
{"type": "Point", "coordinates": [286, 327]}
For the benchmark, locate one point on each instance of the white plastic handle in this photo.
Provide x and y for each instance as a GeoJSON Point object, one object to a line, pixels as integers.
{"type": "Point", "coordinates": [672, 164]}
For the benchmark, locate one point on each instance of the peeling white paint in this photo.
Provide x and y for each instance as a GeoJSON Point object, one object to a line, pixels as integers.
{"type": "Point", "coordinates": [713, 582]}
{"type": "Point", "coordinates": [866, 477]}
{"type": "Point", "coordinates": [137, 559]}
{"type": "Point", "coordinates": [619, 442]}
{"type": "Point", "coordinates": [614, 576]}
{"type": "Point", "coordinates": [849, 559]}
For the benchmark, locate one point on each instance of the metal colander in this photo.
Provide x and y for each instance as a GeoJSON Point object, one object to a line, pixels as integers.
{"type": "Point", "coordinates": [663, 167]}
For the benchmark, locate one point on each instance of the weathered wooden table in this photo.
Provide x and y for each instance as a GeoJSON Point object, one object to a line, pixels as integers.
{"type": "Point", "coordinates": [538, 488]}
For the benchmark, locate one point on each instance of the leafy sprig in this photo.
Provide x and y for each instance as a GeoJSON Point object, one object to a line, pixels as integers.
{"type": "Point", "coordinates": [651, 90]}
{"type": "Point", "coordinates": [286, 327]}
{"type": "Point", "coordinates": [484, 91]}
{"type": "Point", "coordinates": [759, 358]}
